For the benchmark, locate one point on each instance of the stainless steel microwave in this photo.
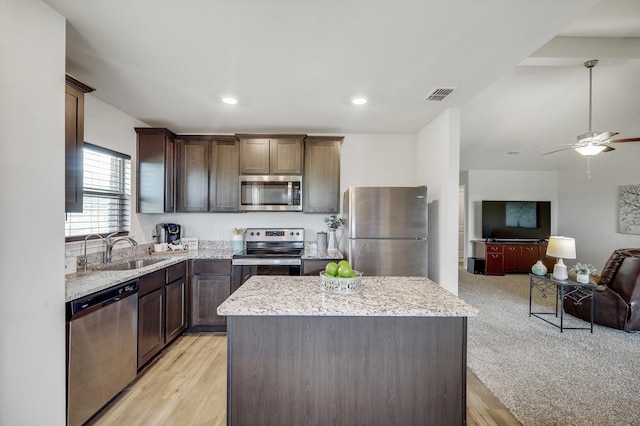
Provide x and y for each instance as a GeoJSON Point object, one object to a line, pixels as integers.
{"type": "Point", "coordinates": [270, 193]}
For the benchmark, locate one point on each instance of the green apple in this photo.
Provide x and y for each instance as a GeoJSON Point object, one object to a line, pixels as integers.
{"type": "Point", "coordinates": [344, 270]}
{"type": "Point", "coordinates": [344, 262]}
{"type": "Point", "coordinates": [331, 269]}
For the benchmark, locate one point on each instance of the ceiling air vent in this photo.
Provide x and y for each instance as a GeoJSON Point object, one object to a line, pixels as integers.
{"type": "Point", "coordinates": [438, 94]}
{"type": "Point", "coordinates": [512, 153]}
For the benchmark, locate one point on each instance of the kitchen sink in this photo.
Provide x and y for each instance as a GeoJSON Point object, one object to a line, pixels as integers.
{"type": "Point", "coordinates": [133, 264]}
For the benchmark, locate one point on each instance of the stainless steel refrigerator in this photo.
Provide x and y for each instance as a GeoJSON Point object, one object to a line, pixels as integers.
{"type": "Point", "coordinates": [387, 230]}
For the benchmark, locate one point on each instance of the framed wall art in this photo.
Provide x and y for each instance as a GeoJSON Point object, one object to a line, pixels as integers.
{"type": "Point", "coordinates": [629, 209]}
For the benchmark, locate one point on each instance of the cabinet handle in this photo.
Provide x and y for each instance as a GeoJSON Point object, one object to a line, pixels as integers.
{"type": "Point", "coordinates": [511, 248]}
{"type": "Point", "coordinates": [495, 256]}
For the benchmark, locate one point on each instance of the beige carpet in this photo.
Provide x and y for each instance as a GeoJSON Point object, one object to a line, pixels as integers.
{"type": "Point", "coordinates": [543, 376]}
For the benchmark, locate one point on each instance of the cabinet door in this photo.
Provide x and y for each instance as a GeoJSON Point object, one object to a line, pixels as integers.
{"type": "Point", "coordinates": [208, 292]}
{"type": "Point", "coordinates": [529, 257]}
{"type": "Point", "coordinates": [224, 186]}
{"type": "Point", "coordinates": [150, 325]}
{"type": "Point", "coordinates": [321, 180]}
{"type": "Point", "coordinates": [156, 171]}
{"type": "Point", "coordinates": [494, 264]}
{"type": "Point", "coordinates": [193, 175]}
{"type": "Point", "coordinates": [175, 313]}
{"type": "Point", "coordinates": [73, 141]}
{"type": "Point", "coordinates": [512, 254]}
{"type": "Point", "coordinates": [314, 267]}
{"type": "Point", "coordinates": [254, 156]}
{"type": "Point", "coordinates": [285, 156]}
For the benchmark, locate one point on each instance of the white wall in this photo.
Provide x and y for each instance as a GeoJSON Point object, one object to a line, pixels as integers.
{"type": "Point", "coordinates": [588, 208]}
{"type": "Point", "coordinates": [32, 289]}
{"type": "Point", "coordinates": [438, 165]}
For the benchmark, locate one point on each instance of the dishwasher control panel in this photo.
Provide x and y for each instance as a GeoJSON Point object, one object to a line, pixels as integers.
{"type": "Point", "coordinates": [101, 298]}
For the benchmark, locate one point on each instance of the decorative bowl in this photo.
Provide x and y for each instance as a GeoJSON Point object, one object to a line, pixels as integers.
{"type": "Point", "coordinates": [339, 284]}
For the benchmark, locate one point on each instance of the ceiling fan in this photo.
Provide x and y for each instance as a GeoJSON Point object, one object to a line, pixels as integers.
{"type": "Point", "coordinates": [593, 143]}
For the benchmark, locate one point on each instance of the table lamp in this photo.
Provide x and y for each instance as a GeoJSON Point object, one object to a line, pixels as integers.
{"type": "Point", "coordinates": [561, 248]}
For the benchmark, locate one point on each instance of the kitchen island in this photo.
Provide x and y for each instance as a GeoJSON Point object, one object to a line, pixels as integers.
{"type": "Point", "coordinates": [392, 354]}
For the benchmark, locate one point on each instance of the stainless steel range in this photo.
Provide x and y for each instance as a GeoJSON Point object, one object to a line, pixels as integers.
{"type": "Point", "coordinates": [269, 251]}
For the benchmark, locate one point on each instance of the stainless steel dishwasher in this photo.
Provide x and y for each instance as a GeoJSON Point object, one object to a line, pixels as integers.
{"type": "Point", "coordinates": [102, 349]}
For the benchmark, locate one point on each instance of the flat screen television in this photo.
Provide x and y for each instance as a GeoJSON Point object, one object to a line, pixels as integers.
{"type": "Point", "coordinates": [516, 220]}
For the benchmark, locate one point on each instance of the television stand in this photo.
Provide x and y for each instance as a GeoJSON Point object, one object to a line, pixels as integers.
{"type": "Point", "coordinates": [511, 257]}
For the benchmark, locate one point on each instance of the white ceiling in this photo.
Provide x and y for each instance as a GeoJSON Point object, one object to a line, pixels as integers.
{"type": "Point", "coordinates": [295, 65]}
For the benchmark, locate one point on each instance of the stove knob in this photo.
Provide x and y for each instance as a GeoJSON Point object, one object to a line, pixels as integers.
{"type": "Point", "coordinates": [297, 233]}
{"type": "Point", "coordinates": [258, 233]}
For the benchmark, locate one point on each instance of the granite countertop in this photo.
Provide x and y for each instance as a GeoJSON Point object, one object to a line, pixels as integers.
{"type": "Point", "coordinates": [310, 254]}
{"type": "Point", "coordinates": [81, 284]}
{"type": "Point", "coordinates": [378, 296]}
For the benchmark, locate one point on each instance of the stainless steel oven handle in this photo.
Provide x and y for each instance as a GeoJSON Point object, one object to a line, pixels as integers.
{"type": "Point", "coordinates": [258, 262]}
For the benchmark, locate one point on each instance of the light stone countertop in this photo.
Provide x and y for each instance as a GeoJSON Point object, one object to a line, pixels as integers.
{"type": "Point", "coordinates": [82, 284]}
{"type": "Point", "coordinates": [311, 254]}
{"type": "Point", "coordinates": [378, 296]}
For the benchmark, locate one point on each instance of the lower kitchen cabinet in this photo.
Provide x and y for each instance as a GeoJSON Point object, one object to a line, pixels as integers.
{"type": "Point", "coordinates": [150, 325]}
{"type": "Point", "coordinates": [315, 266]}
{"type": "Point", "coordinates": [175, 297]}
{"type": "Point", "coordinates": [161, 310]}
{"type": "Point", "coordinates": [210, 286]}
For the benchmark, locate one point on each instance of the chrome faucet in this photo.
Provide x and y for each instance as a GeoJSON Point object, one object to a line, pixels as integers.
{"type": "Point", "coordinates": [112, 242]}
{"type": "Point", "coordinates": [86, 261]}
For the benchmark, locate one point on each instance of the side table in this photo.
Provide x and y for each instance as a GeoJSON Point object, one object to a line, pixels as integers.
{"type": "Point", "coordinates": [567, 289]}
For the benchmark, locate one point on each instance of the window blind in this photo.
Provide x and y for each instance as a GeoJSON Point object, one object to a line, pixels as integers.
{"type": "Point", "coordinates": [106, 194]}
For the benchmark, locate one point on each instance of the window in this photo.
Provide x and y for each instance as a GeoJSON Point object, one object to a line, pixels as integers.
{"type": "Point", "coordinates": [106, 194]}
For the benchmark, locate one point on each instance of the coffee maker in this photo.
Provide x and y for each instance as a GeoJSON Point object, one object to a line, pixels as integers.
{"type": "Point", "coordinates": [167, 232]}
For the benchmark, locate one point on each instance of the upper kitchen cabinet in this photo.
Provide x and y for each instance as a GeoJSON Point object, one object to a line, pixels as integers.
{"type": "Point", "coordinates": [208, 171]}
{"type": "Point", "coordinates": [156, 170]}
{"type": "Point", "coordinates": [74, 141]}
{"type": "Point", "coordinates": [271, 154]}
{"type": "Point", "coordinates": [321, 179]}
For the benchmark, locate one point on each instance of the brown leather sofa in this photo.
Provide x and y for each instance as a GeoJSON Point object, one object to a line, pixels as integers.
{"type": "Point", "coordinates": [617, 297]}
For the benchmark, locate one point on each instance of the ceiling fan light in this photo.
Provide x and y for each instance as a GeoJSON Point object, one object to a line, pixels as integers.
{"type": "Point", "coordinates": [588, 150]}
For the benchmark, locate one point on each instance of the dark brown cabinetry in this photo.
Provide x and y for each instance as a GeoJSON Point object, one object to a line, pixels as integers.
{"type": "Point", "coordinates": [161, 310]}
{"type": "Point", "coordinates": [208, 174]}
{"type": "Point", "coordinates": [150, 316]}
{"type": "Point", "coordinates": [156, 170]}
{"type": "Point", "coordinates": [321, 179]}
{"type": "Point", "coordinates": [73, 142]}
{"type": "Point", "coordinates": [315, 266]}
{"type": "Point", "coordinates": [494, 260]}
{"type": "Point", "coordinates": [273, 154]}
{"type": "Point", "coordinates": [511, 257]}
{"type": "Point", "coordinates": [175, 297]}
{"type": "Point", "coordinates": [210, 286]}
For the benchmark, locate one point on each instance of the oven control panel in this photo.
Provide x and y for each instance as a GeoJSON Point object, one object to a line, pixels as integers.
{"type": "Point", "coordinates": [274, 234]}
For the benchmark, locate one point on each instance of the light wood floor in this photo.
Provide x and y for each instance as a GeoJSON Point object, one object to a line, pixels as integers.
{"type": "Point", "coordinates": [187, 385]}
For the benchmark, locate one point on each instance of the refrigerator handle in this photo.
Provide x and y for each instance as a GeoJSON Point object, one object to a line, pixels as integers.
{"type": "Point", "coordinates": [420, 196]}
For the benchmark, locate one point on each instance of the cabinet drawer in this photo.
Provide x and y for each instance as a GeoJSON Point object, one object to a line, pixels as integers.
{"type": "Point", "coordinates": [151, 282]}
{"type": "Point", "coordinates": [175, 272]}
{"type": "Point", "coordinates": [494, 248]}
{"type": "Point", "coordinates": [217, 267]}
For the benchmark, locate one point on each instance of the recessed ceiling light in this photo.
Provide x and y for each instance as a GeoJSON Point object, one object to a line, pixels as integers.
{"type": "Point", "coordinates": [360, 100]}
{"type": "Point", "coordinates": [229, 100]}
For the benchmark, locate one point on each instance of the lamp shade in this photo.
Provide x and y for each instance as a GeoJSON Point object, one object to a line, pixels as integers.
{"type": "Point", "coordinates": [590, 149]}
{"type": "Point", "coordinates": [562, 247]}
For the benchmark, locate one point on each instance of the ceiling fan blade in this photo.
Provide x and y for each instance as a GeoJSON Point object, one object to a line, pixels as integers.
{"type": "Point", "coordinates": [625, 140]}
{"type": "Point", "coordinates": [604, 136]}
{"type": "Point", "coordinates": [558, 150]}
{"type": "Point", "coordinates": [553, 144]}
{"type": "Point", "coordinates": [608, 148]}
